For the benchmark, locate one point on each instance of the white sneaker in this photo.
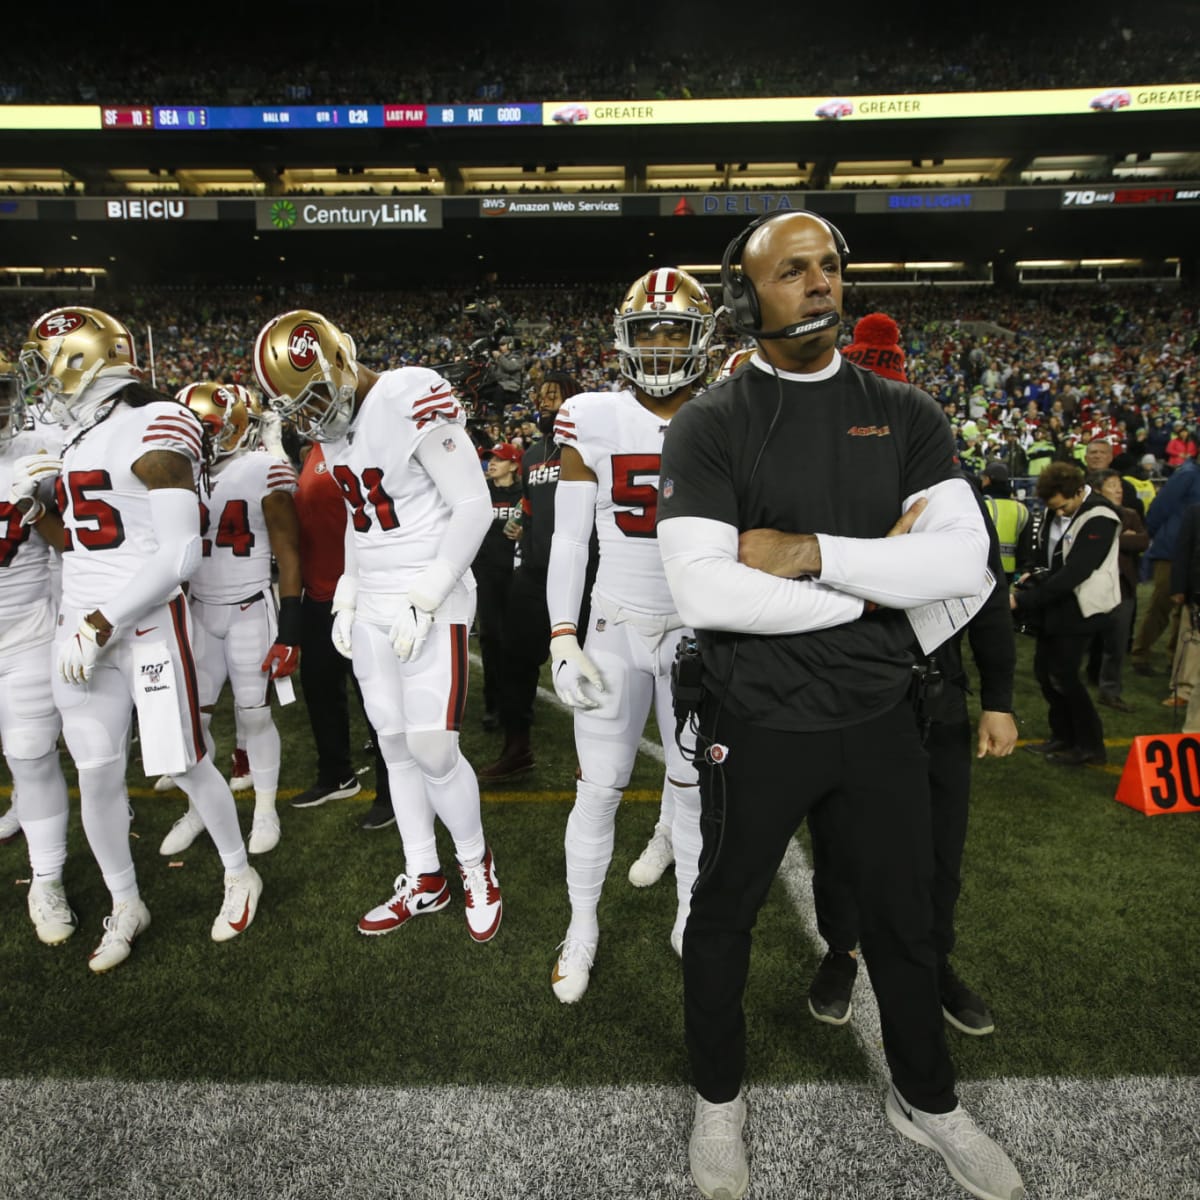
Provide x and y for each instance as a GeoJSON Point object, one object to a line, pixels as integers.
{"type": "Point", "coordinates": [242, 891]}
{"type": "Point", "coordinates": [50, 913]}
{"type": "Point", "coordinates": [974, 1159]}
{"type": "Point", "coordinates": [264, 832]}
{"type": "Point", "coordinates": [183, 833]}
{"type": "Point", "coordinates": [129, 918]}
{"type": "Point", "coordinates": [164, 783]}
{"type": "Point", "coordinates": [569, 979]}
{"type": "Point", "coordinates": [481, 895]}
{"type": "Point", "coordinates": [658, 855]}
{"type": "Point", "coordinates": [9, 825]}
{"type": "Point", "coordinates": [716, 1152]}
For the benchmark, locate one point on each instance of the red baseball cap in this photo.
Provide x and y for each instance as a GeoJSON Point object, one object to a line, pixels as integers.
{"type": "Point", "coordinates": [504, 450]}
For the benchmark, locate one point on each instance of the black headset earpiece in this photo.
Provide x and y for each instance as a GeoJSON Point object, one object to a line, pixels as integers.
{"type": "Point", "coordinates": [737, 289]}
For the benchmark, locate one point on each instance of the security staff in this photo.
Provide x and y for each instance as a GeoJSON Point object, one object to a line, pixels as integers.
{"type": "Point", "coordinates": [778, 488]}
{"type": "Point", "coordinates": [1009, 516]}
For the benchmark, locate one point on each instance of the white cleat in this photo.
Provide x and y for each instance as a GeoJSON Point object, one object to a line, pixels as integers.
{"type": "Point", "coordinates": [569, 979]}
{"type": "Point", "coordinates": [264, 833]}
{"type": "Point", "coordinates": [242, 890]}
{"type": "Point", "coordinates": [183, 833]}
{"type": "Point", "coordinates": [129, 918]}
{"type": "Point", "coordinates": [658, 855]}
{"type": "Point", "coordinates": [50, 913]}
{"type": "Point", "coordinates": [165, 783]}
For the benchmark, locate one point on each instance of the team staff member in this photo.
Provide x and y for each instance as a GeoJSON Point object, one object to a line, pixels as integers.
{"type": "Point", "coordinates": [1077, 545]}
{"type": "Point", "coordinates": [493, 569]}
{"type": "Point", "coordinates": [321, 511]}
{"type": "Point", "coordinates": [527, 622]}
{"type": "Point", "coordinates": [801, 680]}
{"type": "Point", "coordinates": [941, 702]}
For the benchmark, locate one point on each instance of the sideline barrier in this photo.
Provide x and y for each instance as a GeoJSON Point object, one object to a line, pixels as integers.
{"type": "Point", "coordinates": [1162, 774]}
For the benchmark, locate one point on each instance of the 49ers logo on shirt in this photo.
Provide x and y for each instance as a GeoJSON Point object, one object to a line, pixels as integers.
{"type": "Point", "coordinates": [302, 347]}
{"type": "Point", "coordinates": [59, 324]}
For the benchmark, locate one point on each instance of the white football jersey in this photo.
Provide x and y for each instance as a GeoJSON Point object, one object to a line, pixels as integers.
{"type": "Point", "coordinates": [26, 561]}
{"type": "Point", "coordinates": [621, 442]}
{"type": "Point", "coordinates": [397, 513]}
{"type": "Point", "coordinates": [105, 507]}
{"type": "Point", "coordinates": [233, 528]}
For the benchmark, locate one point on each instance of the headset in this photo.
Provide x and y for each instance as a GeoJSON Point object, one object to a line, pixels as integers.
{"type": "Point", "coordinates": [740, 298]}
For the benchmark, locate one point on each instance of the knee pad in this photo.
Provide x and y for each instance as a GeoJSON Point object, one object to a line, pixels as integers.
{"type": "Point", "coordinates": [253, 720]}
{"type": "Point", "coordinates": [596, 802]}
{"type": "Point", "coordinates": [435, 750]}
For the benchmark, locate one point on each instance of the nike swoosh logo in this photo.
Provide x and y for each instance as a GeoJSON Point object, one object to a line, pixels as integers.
{"type": "Point", "coordinates": [427, 902]}
{"type": "Point", "coordinates": [244, 920]}
{"type": "Point", "coordinates": [555, 977]}
{"type": "Point", "coordinates": [148, 629]}
{"type": "Point", "coordinates": [243, 607]}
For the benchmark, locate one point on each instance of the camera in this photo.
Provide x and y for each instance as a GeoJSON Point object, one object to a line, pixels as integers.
{"type": "Point", "coordinates": [1032, 579]}
{"type": "Point", "coordinates": [1026, 620]}
{"type": "Point", "coordinates": [687, 680]}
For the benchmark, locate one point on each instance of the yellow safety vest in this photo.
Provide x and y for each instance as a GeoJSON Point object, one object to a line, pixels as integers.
{"type": "Point", "coordinates": [1009, 517]}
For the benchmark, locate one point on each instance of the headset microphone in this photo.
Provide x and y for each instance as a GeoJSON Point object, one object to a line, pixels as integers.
{"type": "Point", "coordinates": [828, 320]}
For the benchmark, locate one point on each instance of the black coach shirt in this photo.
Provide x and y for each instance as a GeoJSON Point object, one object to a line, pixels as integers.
{"type": "Point", "coordinates": [840, 458]}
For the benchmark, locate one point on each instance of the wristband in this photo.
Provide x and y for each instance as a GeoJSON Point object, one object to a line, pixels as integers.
{"type": "Point", "coordinates": [290, 621]}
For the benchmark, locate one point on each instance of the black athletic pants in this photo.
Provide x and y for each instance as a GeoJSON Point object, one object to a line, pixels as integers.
{"type": "Point", "coordinates": [1057, 665]}
{"type": "Point", "coordinates": [323, 676]}
{"type": "Point", "coordinates": [949, 747]}
{"type": "Point", "coordinates": [875, 776]}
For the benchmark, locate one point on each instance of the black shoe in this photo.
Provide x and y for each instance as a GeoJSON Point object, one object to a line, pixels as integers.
{"type": "Point", "coordinates": [1076, 757]}
{"type": "Point", "coordinates": [320, 792]}
{"type": "Point", "coordinates": [1053, 746]}
{"type": "Point", "coordinates": [1115, 702]}
{"type": "Point", "coordinates": [963, 1008]}
{"type": "Point", "coordinates": [831, 988]}
{"type": "Point", "coordinates": [379, 816]}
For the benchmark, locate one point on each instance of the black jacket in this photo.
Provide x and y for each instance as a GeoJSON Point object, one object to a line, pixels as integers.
{"type": "Point", "coordinates": [1053, 599]}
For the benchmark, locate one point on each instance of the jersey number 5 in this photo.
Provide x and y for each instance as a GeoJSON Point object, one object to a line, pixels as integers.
{"type": "Point", "coordinates": [638, 500]}
{"type": "Point", "coordinates": [107, 530]}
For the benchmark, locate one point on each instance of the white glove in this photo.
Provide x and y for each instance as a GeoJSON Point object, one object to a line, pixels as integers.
{"type": "Point", "coordinates": [572, 671]}
{"type": "Point", "coordinates": [28, 473]}
{"type": "Point", "coordinates": [345, 600]}
{"type": "Point", "coordinates": [409, 630]}
{"type": "Point", "coordinates": [270, 434]}
{"type": "Point", "coordinates": [77, 655]}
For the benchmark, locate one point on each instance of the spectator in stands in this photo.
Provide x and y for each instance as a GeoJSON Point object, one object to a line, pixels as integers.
{"type": "Point", "coordinates": [1185, 595]}
{"type": "Point", "coordinates": [1181, 448]}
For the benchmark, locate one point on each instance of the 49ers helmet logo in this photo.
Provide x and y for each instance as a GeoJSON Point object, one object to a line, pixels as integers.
{"type": "Point", "coordinates": [59, 324]}
{"type": "Point", "coordinates": [302, 347]}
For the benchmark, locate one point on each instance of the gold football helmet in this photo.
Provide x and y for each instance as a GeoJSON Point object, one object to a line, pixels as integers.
{"type": "Point", "coordinates": [733, 361]}
{"type": "Point", "coordinates": [12, 403]}
{"type": "Point", "coordinates": [663, 327]}
{"type": "Point", "coordinates": [67, 349]}
{"type": "Point", "coordinates": [307, 367]}
{"type": "Point", "coordinates": [222, 411]}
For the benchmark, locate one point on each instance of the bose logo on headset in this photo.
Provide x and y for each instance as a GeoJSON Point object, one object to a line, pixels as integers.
{"type": "Point", "coordinates": [741, 300]}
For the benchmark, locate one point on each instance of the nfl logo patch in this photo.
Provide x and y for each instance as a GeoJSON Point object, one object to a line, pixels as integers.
{"type": "Point", "coordinates": [449, 445]}
{"type": "Point", "coordinates": [668, 488]}
{"type": "Point", "coordinates": [600, 625]}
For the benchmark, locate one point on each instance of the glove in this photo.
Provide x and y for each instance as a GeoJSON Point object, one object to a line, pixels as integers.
{"type": "Point", "coordinates": [282, 660]}
{"type": "Point", "coordinates": [409, 631]}
{"type": "Point", "coordinates": [77, 655]}
{"type": "Point", "coordinates": [270, 434]}
{"type": "Point", "coordinates": [29, 472]}
{"type": "Point", "coordinates": [345, 600]}
{"type": "Point", "coordinates": [572, 671]}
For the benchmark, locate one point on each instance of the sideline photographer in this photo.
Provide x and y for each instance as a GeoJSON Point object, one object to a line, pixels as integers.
{"type": "Point", "coordinates": [1074, 599]}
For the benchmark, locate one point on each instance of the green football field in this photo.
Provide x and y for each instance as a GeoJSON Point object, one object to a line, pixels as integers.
{"type": "Point", "coordinates": [303, 1059]}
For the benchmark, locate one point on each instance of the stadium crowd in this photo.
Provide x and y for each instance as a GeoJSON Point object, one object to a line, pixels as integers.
{"type": "Point", "coordinates": [146, 62]}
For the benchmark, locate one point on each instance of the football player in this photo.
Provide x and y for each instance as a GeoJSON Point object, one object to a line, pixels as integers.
{"type": "Point", "coordinates": [611, 442]}
{"type": "Point", "coordinates": [418, 508]}
{"type": "Point", "coordinates": [29, 722]}
{"type": "Point", "coordinates": [131, 537]}
{"type": "Point", "coordinates": [246, 517]}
